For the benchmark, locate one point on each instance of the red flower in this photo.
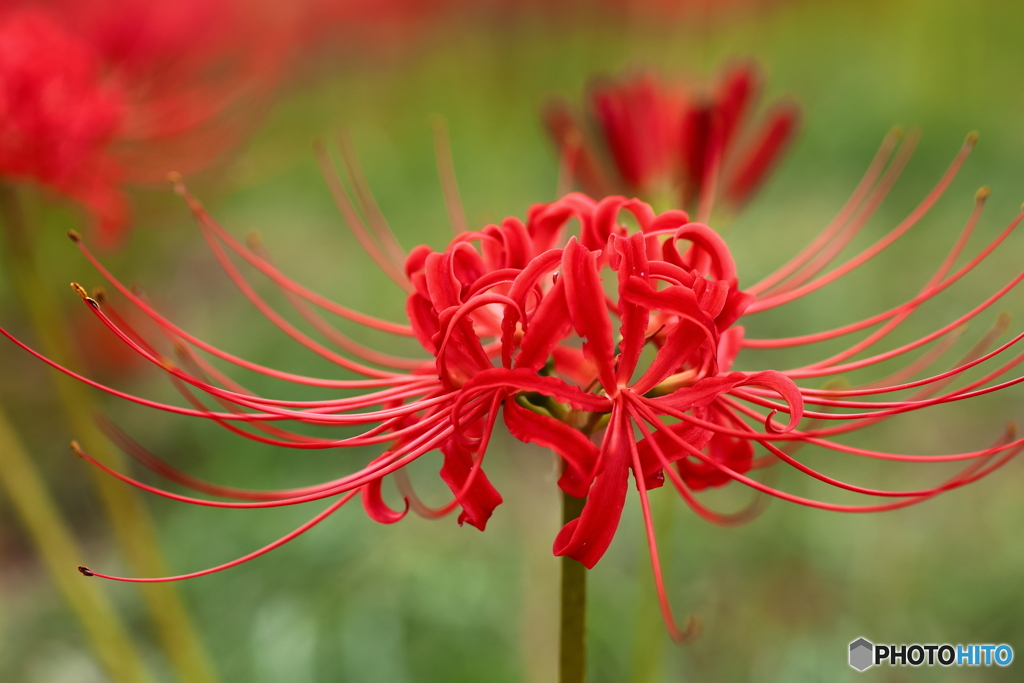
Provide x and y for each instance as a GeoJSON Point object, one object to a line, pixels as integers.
{"type": "Point", "coordinates": [99, 93]}
{"type": "Point", "coordinates": [520, 323]}
{"type": "Point", "coordinates": [659, 137]}
{"type": "Point", "coordinates": [59, 113]}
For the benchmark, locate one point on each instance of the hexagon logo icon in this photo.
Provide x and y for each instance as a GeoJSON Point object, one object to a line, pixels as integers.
{"type": "Point", "coordinates": [861, 651]}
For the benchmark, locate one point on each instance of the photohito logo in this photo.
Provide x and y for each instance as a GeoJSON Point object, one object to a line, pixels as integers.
{"type": "Point", "coordinates": [865, 654]}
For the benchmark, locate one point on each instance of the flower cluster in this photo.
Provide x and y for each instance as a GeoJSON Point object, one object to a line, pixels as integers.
{"type": "Point", "coordinates": [661, 136]}
{"type": "Point", "coordinates": [96, 94]}
{"type": "Point", "coordinates": [613, 347]}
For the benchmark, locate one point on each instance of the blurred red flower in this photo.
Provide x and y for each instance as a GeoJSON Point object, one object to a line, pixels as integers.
{"type": "Point", "coordinates": [98, 93]}
{"type": "Point", "coordinates": [661, 136]}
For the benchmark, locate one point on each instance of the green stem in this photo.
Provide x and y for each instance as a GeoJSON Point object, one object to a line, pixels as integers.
{"type": "Point", "coordinates": [131, 522]}
{"type": "Point", "coordinates": [25, 489]}
{"type": "Point", "coordinates": [572, 652]}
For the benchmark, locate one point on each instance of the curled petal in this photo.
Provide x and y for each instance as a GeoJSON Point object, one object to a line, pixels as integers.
{"type": "Point", "coordinates": [376, 508]}
{"type": "Point", "coordinates": [478, 498]}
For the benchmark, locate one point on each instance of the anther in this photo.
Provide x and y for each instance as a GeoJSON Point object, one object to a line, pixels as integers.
{"type": "Point", "coordinates": [174, 178]}
{"type": "Point", "coordinates": [982, 194]}
{"type": "Point", "coordinates": [99, 294]}
{"type": "Point", "coordinates": [254, 239]}
{"type": "Point", "coordinates": [972, 138]}
{"type": "Point", "coordinates": [76, 449]}
{"type": "Point", "coordinates": [85, 571]}
{"type": "Point", "coordinates": [75, 237]}
{"type": "Point", "coordinates": [80, 291]}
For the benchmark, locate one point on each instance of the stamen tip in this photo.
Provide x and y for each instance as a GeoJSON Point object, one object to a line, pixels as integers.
{"type": "Point", "coordinates": [85, 571]}
{"type": "Point", "coordinates": [971, 139]}
{"type": "Point", "coordinates": [76, 449]}
{"type": "Point", "coordinates": [80, 291]}
{"type": "Point", "coordinates": [174, 178]}
{"type": "Point", "coordinates": [75, 236]}
{"type": "Point", "coordinates": [99, 294]}
{"type": "Point", "coordinates": [982, 193]}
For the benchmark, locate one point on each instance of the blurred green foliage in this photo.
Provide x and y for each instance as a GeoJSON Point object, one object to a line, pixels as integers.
{"type": "Point", "coordinates": [425, 601]}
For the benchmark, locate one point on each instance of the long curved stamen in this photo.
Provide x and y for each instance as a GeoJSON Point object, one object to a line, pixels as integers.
{"type": "Point", "coordinates": [391, 268]}
{"type": "Point", "coordinates": [856, 224]}
{"type": "Point", "coordinates": [223, 355]}
{"type": "Point", "coordinates": [367, 204]}
{"type": "Point", "coordinates": [955, 482]}
{"type": "Point", "coordinates": [234, 563]}
{"type": "Point", "coordinates": [275, 275]}
{"type": "Point", "coordinates": [331, 333]}
{"type": "Point", "coordinates": [845, 214]}
{"type": "Point", "coordinates": [274, 317]}
{"type": "Point", "coordinates": [923, 208]}
{"type": "Point", "coordinates": [446, 171]}
{"type": "Point", "coordinates": [875, 319]}
{"type": "Point", "coordinates": [692, 626]}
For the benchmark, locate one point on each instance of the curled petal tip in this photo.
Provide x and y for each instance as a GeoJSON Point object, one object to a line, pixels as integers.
{"type": "Point", "coordinates": [982, 193]}
{"type": "Point", "coordinates": [768, 426]}
{"type": "Point", "coordinates": [74, 236]}
{"type": "Point", "coordinates": [85, 571]}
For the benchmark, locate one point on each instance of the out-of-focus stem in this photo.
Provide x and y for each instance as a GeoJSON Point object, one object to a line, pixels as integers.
{"type": "Point", "coordinates": [24, 487]}
{"type": "Point", "coordinates": [130, 520]}
{"type": "Point", "coordinates": [572, 651]}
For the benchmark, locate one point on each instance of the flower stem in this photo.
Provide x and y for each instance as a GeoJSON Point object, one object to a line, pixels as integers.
{"type": "Point", "coordinates": [132, 525]}
{"type": "Point", "coordinates": [24, 487]}
{"type": "Point", "coordinates": [572, 658]}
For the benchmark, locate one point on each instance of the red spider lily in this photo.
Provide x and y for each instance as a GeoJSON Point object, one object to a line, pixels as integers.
{"type": "Point", "coordinates": [99, 93]}
{"type": "Point", "coordinates": [660, 136]}
{"type": "Point", "coordinates": [518, 317]}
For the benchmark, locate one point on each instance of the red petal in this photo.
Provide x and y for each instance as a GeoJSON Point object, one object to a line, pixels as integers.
{"type": "Point", "coordinates": [585, 297]}
{"type": "Point", "coordinates": [630, 260]}
{"type": "Point", "coordinates": [775, 136]}
{"type": "Point", "coordinates": [480, 499]}
{"type": "Point", "coordinates": [683, 339]}
{"type": "Point", "coordinates": [587, 538]}
{"type": "Point", "coordinates": [549, 325]}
